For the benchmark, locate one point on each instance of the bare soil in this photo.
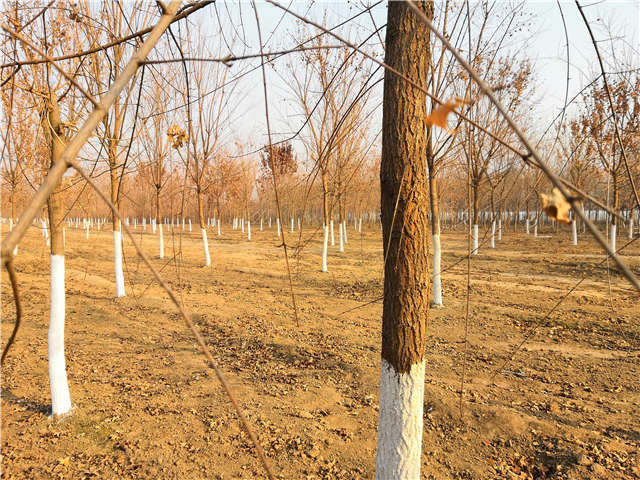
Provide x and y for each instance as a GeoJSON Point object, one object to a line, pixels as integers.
{"type": "Point", "coordinates": [566, 405]}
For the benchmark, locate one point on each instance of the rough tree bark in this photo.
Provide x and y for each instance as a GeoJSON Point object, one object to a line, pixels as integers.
{"type": "Point", "coordinates": [404, 181]}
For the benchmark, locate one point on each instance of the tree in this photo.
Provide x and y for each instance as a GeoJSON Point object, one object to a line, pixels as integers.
{"type": "Point", "coordinates": [594, 122]}
{"type": "Point", "coordinates": [331, 92]}
{"type": "Point", "coordinates": [103, 68]}
{"type": "Point", "coordinates": [405, 227]}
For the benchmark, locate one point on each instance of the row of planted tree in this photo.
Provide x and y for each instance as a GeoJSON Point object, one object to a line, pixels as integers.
{"type": "Point", "coordinates": [169, 147]}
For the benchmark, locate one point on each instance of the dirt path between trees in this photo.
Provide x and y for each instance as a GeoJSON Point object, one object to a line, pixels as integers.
{"type": "Point", "coordinates": [567, 406]}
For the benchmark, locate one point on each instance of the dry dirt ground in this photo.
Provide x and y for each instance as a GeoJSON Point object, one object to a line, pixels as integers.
{"type": "Point", "coordinates": [567, 406]}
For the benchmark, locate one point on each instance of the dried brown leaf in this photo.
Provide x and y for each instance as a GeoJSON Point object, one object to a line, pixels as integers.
{"type": "Point", "coordinates": [439, 115]}
{"type": "Point", "coordinates": [556, 206]}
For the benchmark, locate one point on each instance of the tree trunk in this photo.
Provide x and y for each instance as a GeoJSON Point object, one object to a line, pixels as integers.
{"type": "Point", "coordinates": [435, 227]}
{"type": "Point", "coordinates": [203, 230]}
{"type": "Point", "coordinates": [60, 397]}
{"type": "Point", "coordinates": [405, 243]}
{"type": "Point", "coordinates": [474, 231]}
{"type": "Point", "coordinates": [117, 233]}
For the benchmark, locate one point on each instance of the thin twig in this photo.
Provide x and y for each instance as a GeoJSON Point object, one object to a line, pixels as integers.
{"type": "Point", "coordinates": [51, 61]}
{"type": "Point", "coordinates": [613, 110]}
{"type": "Point", "coordinates": [273, 169]}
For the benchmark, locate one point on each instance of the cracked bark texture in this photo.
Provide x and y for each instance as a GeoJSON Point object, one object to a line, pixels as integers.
{"type": "Point", "coordinates": [404, 181]}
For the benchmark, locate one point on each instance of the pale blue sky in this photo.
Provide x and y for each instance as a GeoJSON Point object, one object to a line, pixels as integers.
{"type": "Point", "coordinates": [546, 47]}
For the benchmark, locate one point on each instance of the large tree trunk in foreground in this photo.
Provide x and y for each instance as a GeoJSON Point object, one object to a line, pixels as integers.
{"type": "Point", "coordinates": [60, 398]}
{"type": "Point", "coordinates": [404, 181]}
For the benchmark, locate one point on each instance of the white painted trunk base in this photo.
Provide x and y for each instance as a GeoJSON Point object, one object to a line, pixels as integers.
{"type": "Point", "coordinates": [15, 249]}
{"type": "Point", "coordinates": [333, 238]}
{"type": "Point", "coordinates": [278, 225]}
{"type": "Point", "coordinates": [117, 263]}
{"type": "Point", "coordinates": [344, 231]}
{"type": "Point", "coordinates": [493, 234]}
{"type": "Point", "coordinates": [60, 398]}
{"type": "Point", "coordinates": [161, 239]}
{"type": "Point", "coordinates": [526, 226]}
{"type": "Point", "coordinates": [535, 229]}
{"type": "Point", "coordinates": [474, 239]}
{"type": "Point", "coordinates": [292, 224]}
{"type": "Point", "coordinates": [218, 225]}
{"type": "Point", "coordinates": [500, 230]}
{"type": "Point", "coordinates": [205, 245]}
{"type": "Point", "coordinates": [360, 225]}
{"type": "Point", "coordinates": [400, 423]}
{"type": "Point", "coordinates": [437, 270]}
{"type": "Point", "coordinates": [630, 228]}
{"type": "Point", "coordinates": [325, 247]}
{"type": "Point", "coordinates": [249, 230]}
{"type": "Point", "coordinates": [574, 233]}
{"type": "Point", "coordinates": [340, 237]}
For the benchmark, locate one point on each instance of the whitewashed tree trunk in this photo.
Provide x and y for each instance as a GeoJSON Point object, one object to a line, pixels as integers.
{"type": "Point", "coordinates": [45, 232]}
{"type": "Point", "coordinates": [190, 228]}
{"type": "Point", "coordinates": [15, 250]}
{"type": "Point", "coordinates": [218, 225]}
{"type": "Point", "coordinates": [574, 233]}
{"type": "Point", "coordinates": [493, 234]}
{"type": "Point", "coordinates": [630, 226]}
{"type": "Point", "coordinates": [60, 398]}
{"type": "Point", "coordinates": [325, 247]}
{"type": "Point", "coordinates": [612, 240]}
{"type": "Point", "coordinates": [278, 225]}
{"type": "Point", "coordinates": [205, 245]}
{"type": "Point", "coordinates": [292, 225]}
{"type": "Point", "coordinates": [117, 263]}
{"type": "Point", "coordinates": [161, 240]}
{"type": "Point", "coordinates": [242, 225]}
{"type": "Point", "coordinates": [535, 229]}
{"type": "Point", "coordinates": [360, 225]}
{"type": "Point", "coordinates": [153, 227]}
{"type": "Point", "coordinates": [269, 222]}
{"type": "Point", "coordinates": [526, 225]}
{"type": "Point", "coordinates": [260, 223]}
{"type": "Point", "coordinates": [340, 237]}
{"type": "Point", "coordinates": [474, 239]}
{"type": "Point", "coordinates": [249, 230]}
{"type": "Point", "coordinates": [333, 238]}
{"type": "Point", "coordinates": [400, 423]}
{"type": "Point", "coordinates": [500, 230]}
{"type": "Point", "coordinates": [344, 231]}
{"type": "Point", "coordinates": [437, 270]}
